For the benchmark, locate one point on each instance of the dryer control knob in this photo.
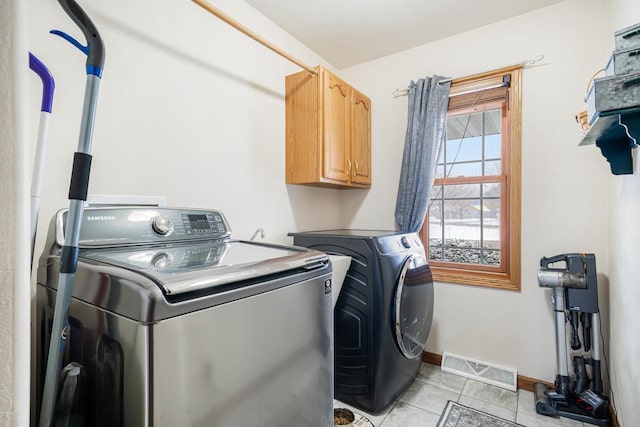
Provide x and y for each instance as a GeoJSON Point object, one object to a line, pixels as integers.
{"type": "Point", "coordinates": [161, 225]}
{"type": "Point", "coordinates": [405, 242]}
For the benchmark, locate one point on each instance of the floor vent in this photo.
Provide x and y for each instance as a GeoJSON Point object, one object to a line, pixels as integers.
{"type": "Point", "coordinates": [480, 371]}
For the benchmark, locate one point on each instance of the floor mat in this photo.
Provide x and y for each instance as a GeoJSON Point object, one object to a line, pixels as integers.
{"type": "Point", "coordinates": [456, 415]}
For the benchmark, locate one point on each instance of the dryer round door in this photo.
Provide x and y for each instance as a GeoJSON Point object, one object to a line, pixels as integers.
{"type": "Point", "coordinates": [413, 306]}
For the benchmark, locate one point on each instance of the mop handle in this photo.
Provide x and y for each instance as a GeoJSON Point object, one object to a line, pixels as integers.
{"type": "Point", "coordinates": [48, 87]}
{"type": "Point", "coordinates": [77, 195]}
{"type": "Point", "coordinates": [95, 48]}
{"type": "Point", "coordinates": [48, 84]}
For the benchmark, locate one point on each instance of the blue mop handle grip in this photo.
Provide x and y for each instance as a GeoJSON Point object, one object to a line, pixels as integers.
{"type": "Point", "coordinates": [48, 84]}
{"type": "Point", "coordinates": [95, 47]}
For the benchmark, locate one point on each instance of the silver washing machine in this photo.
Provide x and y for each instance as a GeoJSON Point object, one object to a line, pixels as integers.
{"type": "Point", "coordinates": [383, 315]}
{"type": "Point", "coordinates": [172, 323]}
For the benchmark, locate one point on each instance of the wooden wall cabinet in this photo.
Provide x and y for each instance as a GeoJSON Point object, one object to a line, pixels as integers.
{"type": "Point", "coordinates": [328, 132]}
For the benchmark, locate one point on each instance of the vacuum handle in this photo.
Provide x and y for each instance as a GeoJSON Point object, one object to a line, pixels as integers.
{"type": "Point", "coordinates": [544, 262]}
{"type": "Point", "coordinates": [48, 84]}
{"type": "Point", "coordinates": [95, 46]}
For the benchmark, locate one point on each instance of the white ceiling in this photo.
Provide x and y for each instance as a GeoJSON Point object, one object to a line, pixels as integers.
{"type": "Point", "coordinates": [349, 32]}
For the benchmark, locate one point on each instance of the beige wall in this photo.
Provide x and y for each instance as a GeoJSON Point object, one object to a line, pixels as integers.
{"type": "Point", "coordinates": [189, 108]}
{"type": "Point", "coordinates": [564, 187]}
{"type": "Point", "coordinates": [624, 197]}
{"type": "Point", "coordinates": [184, 96]}
{"type": "Point", "coordinates": [14, 217]}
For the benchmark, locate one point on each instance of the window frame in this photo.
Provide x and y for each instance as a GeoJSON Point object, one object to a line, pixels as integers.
{"type": "Point", "coordinates": [507, 275]}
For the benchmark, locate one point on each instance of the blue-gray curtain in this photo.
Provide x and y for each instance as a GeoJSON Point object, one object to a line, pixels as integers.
{"type": "Point", "coordinates": [426, 123]}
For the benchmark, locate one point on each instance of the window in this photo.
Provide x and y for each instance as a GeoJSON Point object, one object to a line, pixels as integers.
{"type": "Point", "coordinates": [472, 229]}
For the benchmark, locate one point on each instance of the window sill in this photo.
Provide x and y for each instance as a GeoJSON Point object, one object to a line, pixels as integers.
{"type": "Point", "coordinates": [475, 278]}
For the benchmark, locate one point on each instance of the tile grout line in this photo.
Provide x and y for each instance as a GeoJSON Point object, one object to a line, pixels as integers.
{"type": "Point", "coordinates": [462, 389]}
{"type": "Point", "coordinates": [387, 414]}
{"type": "Point", "coordinates": [422, 409]}
{"type": "Point", "coordinates": [440, 384]}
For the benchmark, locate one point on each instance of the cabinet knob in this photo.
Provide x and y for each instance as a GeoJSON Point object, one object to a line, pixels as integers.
{"type": "Point", "coordinates": [348, 167]}
{"type": "Point", "coordinates": [355, 163]}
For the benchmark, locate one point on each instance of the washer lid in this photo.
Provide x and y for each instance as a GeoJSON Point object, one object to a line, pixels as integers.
{"type": "Point", "coordinates": [184, 268]}
{"type": "Point", "coordinates": [347, 232]}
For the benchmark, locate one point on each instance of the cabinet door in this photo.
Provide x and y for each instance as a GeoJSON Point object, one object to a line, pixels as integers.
{"type": "Point", "coordinates": [361, 138]}
{"type": "Point", "coordinates": [336, 128]}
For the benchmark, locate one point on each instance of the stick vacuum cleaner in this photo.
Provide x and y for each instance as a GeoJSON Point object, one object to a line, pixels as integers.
{"type": "Point", "coordinates": [575, 291]}
{"type": "Point", "coordinates": [77, 195]}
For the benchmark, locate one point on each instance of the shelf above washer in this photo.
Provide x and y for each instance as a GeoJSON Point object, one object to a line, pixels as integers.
{"type": "Point", "coordinates": [616, 133]}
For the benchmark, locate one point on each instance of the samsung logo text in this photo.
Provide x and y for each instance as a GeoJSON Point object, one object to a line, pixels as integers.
{"type": "Point", "coordinates": [101, 218]}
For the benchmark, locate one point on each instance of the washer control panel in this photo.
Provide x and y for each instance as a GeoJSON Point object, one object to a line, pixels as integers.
{"type": "Point", "coordinates": [206, 223]}
{"type": "Point", "coordinates": [161, 225]}
{"type": "Point", "coordinates": [398, 243]}
{"type": "Point", "coordinates": [128, 226]}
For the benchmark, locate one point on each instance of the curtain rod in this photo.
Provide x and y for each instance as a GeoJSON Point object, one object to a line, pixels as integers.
{"type": "Point", "coordinates": [238, 26]}
{"type": "Point", "coordinates": [526, 63]}
{"type": "Point", "coordinates": [404, 92]}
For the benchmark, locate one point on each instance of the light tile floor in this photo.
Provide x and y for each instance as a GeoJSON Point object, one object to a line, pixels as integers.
{"type": "Point", "coordinates": [423, 402]}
